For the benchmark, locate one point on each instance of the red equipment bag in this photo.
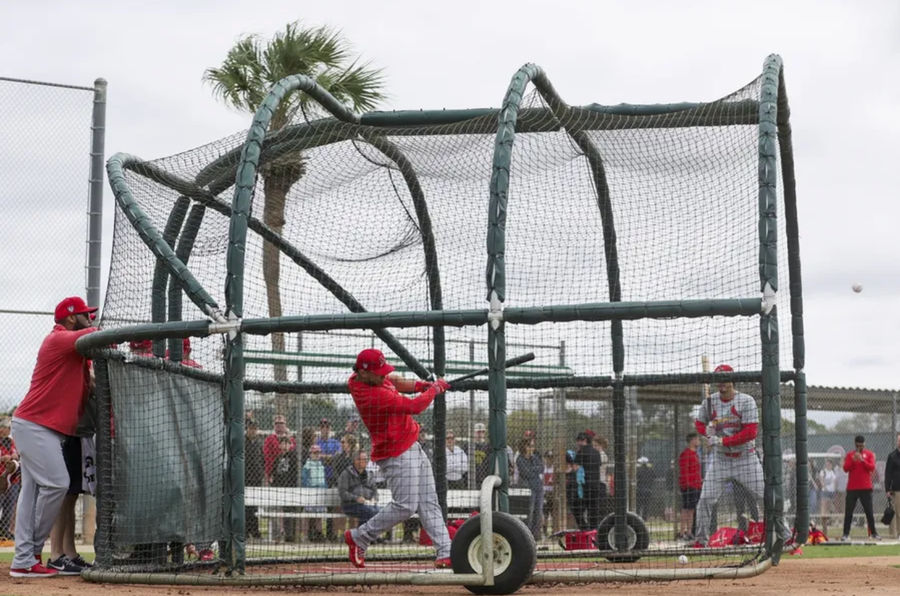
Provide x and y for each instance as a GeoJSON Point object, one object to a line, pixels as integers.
{"type": "Point", "coordinates": [756, 532]}
{"type": "Point", "coordinates": [727, 537]}
{"type": "Point", "coordinates": [578, 540]}
{"type": "Point", "coordinates": [453, 526]}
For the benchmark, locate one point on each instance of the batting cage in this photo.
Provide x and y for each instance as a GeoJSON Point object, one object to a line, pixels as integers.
{"type": "Point", "coordinates": [581, 304]}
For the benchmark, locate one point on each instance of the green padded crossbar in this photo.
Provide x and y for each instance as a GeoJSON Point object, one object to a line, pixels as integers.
{"type": "Point", "coordinates": [454, 367]}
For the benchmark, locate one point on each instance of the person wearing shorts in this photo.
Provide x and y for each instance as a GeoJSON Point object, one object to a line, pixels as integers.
{"type": "Point", "coordinates": [63, 555]}
{"type": "Point", "coordinates": [49, 412]}
{"type": "Point", "coordinates": [690, 482]}
{"type": "Point", "coordinates": [388, 416]}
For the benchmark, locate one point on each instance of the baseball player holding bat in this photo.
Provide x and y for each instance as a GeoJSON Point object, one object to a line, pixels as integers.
{"type": "Point", "coordinates": [729, 421]}
{"type": "Point", "coordinates": [388, 416]}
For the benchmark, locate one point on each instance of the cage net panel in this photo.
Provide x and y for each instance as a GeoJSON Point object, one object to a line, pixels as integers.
{"type": "Point", "coordinates": [684, 207]}
{"type": "Point", "coordinates": [683, 191]}
{"type": "Point", "coordinates": [162, 476]}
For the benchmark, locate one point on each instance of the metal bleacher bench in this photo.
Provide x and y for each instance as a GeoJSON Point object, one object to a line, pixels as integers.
{"type": "Point", "coordinates": [270, 500]}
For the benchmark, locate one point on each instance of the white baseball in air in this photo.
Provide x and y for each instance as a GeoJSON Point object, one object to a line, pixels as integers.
{"type": "Point", "coordinates": [683, 559]}
{"type": "Point", "coordinates": [857, 288]}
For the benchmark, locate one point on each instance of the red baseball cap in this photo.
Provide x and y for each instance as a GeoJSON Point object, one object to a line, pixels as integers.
{"type": "Point", "coordinates": [373, 361]}
{"type": "Point", "coordinates": [73, 305]}
{"type": "Point", "coordinates": [724, 368]}
{"type": "Point", "coordinates": [144, 345]}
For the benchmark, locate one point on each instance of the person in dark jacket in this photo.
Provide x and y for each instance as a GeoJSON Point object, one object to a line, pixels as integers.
{"type": "Point", "coordinates": [253, 456]}
{"type": "Point", "coordinates": [892, 486]}
{"type": "Point", "coordinates": [575, 490]}
{"type": "Point", "coordinates": [645, 477]}
{"type": "Point", "coordinates": [357, 489]}
{"type": "Point", "coordinates": [285, 468]}
{"type": "Point", "coordinates": [531, 475]}
{"type": "Point", "coordinates": [344, 459]}
{"type": "Point", "coordinates": [594, 488]}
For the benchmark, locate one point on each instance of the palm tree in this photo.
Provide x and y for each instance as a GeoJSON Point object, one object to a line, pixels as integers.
{"type": "Point", "coordinates": [243, 80]}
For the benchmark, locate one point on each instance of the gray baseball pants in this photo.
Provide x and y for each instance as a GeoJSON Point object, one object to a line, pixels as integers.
{"type": "Point", "coordinates": [411, 481]}
{"type": "Point", "coordinates": [45, 481]}
{"type": "Point", "coordinates": [744, 469]}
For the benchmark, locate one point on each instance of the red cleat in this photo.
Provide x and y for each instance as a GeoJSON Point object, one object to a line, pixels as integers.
{"type": "Point", "coordinates": [443, 563]}
{"type": "Point", "coordinates": [35, 571]}
{"type": "Point", "coordinates": [357, 555]}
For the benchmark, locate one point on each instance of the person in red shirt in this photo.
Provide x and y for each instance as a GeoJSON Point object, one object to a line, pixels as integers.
{"type": "Point", "coordinates": [690, 483]}
{"type": "Point", "coordinates": [49, 412]}
{"type": "Point", "coordinates": [859, 465]}
{"type": "Point", "coordinates": [395, 448]}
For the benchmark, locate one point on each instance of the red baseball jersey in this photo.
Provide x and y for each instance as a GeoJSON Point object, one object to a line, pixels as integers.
{"type": "Point", "coordinates": [60, 383]}
{"type": "Point", "coordinates": [388, 415]}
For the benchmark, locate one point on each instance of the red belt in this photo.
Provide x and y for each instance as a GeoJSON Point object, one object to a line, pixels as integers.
{"type": "Point", "coordinates": [738, 454]}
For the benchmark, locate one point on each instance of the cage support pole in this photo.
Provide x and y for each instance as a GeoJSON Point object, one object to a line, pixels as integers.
{"type": "Point", "coordinates": [768, 322]}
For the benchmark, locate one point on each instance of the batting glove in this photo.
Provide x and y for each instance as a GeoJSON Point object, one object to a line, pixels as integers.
{"type": "Point", "coordinates": [422, 386]}
{"type": "Point", "coordinates": [714, 441]}
{"type": "Point", "coordinates": [442, 384]}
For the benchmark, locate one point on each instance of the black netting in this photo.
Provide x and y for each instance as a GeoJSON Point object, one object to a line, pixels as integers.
{"type": "Point", "coordinates": [393, 220]}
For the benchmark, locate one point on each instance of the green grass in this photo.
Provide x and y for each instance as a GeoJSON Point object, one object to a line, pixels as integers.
{"type": "Point", "coordinates": [844, 551]}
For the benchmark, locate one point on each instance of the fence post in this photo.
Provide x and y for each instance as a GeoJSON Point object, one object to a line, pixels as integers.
{"type": "Point", "coordinates": [95, 196]}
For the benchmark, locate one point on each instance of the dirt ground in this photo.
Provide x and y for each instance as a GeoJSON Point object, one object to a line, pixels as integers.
{"type": "Point", "coordinates": [794, 577]}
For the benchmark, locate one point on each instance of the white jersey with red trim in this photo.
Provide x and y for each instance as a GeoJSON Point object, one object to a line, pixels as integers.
{"type": "Point", "coordinates": [727, 418]}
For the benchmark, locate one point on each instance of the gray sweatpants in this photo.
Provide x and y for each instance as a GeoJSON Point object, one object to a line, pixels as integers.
{"type": "Point", "coordinates": [411, 480]}
{"type": "Point", "coordinates": [45, 481]}
{"type": "Point", "coordinates": [722, 469]}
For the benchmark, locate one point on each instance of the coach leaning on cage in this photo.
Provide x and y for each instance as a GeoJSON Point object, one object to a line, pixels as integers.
{"type": "Point", "coordinates": [50, 411]}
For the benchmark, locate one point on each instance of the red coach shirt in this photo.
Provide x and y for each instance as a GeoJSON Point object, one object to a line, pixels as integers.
{"type": "Point", "coordinates": [689, 470]}
{"type": "Point", "coordinates": [59, 384]}
{"type": "Point", "coordinates": [859, 473]}
{"type": "Point", "coordinates": [388, 415]}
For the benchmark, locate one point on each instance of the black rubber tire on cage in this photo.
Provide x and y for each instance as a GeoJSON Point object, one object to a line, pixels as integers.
{"type": "Point", "coordinates": [638, 537]}
{"type": "Point", "coordinates": [515, 554]}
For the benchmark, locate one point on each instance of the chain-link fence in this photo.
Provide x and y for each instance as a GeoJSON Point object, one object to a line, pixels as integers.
{"type": "Point", "coordinates": [50, 194]}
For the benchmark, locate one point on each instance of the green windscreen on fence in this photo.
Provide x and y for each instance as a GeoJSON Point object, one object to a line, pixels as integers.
{"type": "Point", "coordinates": [165, 478]}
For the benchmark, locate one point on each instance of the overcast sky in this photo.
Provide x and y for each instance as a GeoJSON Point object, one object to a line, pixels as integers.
{"type": "Point", "coordinates": [842, 61]}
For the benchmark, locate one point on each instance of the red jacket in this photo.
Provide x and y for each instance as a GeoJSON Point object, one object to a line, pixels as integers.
{"type": "Point", "coordinates": [689, 470]}
{"type": "Point", "coordinates": [388, 415]}
{"type": "Point", "coordinates": [859, 473]}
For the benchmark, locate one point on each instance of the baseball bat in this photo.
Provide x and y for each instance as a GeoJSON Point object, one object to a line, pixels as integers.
{"type": "Point", "coordinates": [483, 371]}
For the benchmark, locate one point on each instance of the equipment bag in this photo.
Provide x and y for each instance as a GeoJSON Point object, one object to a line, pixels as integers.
{"type": "Point", "coordinates": [888, 515]}
{"type": "Point", "coordinates": [578, 540]}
